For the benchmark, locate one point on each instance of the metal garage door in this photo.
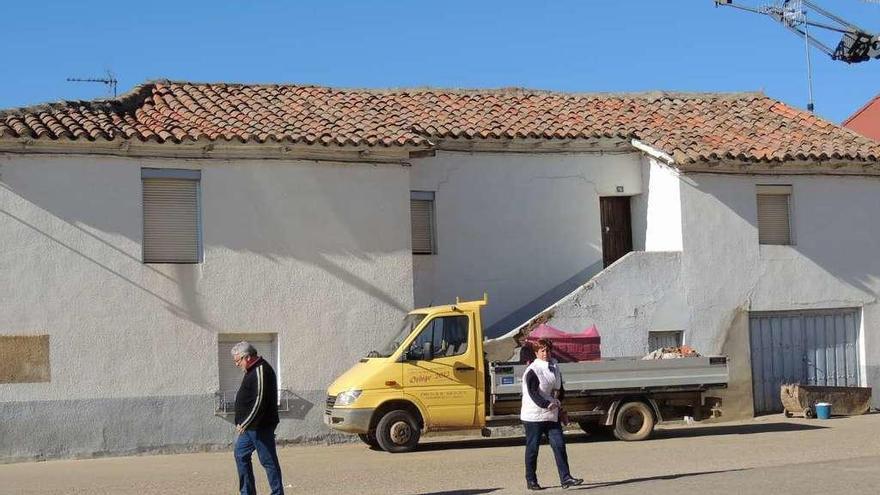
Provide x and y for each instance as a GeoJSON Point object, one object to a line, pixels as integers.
{"type": "Point", "coordinates": [808, 347]}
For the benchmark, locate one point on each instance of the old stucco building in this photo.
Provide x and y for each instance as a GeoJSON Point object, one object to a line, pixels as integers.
{"type": "Point", "coordinates": [142, 236]}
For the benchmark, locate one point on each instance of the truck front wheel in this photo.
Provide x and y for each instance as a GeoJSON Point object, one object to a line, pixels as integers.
{"type": "Point", "coordinates": [398, 431]}
{"type": "Point", "coordinates": [634, 421]}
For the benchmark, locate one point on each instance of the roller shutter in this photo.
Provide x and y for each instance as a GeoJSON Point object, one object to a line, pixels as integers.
{"type": "Point", "coordinates": [172, 224]}
{"type": "Point", "coordinates": [422, 217]}
{"type": "Point", "coordinates": [774, 214]}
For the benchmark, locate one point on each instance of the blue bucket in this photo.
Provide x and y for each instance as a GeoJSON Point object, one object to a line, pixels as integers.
{"type": "Point", "coordinates": [823, 410]}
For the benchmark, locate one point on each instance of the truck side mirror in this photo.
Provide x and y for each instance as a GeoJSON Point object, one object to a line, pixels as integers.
{"type": "Point", "coordinates": [428, 351]}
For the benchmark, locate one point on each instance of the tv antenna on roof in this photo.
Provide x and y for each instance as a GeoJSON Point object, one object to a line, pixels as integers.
{"type": "Point", "coordinates": [855, 45]}
{"type": "Point", "coordinates": [109, 81]}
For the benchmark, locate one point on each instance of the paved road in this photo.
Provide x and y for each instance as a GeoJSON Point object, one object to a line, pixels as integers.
{"type": "Point", "coordinates": [766, 455]}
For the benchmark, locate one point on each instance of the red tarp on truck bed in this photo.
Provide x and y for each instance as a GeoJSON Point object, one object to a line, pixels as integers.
{"type": "Point", "coordinates": [569, 347]}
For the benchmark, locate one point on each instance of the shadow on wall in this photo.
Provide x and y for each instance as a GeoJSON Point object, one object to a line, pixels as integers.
{"type": "Point", "coordinates": [543, 301]}
{"type": "Point", "coordinates": [836, 232]}
{"type": "Point", "coordinates": [290, 406]}
{"type": "Point", "coordinates": [180, 310]}
{"type": "Point", "coordinates": [278, 212]}
{"type": "Point", "coordinates": [832, 262]}
{"type": "Point", "coordinates": [297, 407]}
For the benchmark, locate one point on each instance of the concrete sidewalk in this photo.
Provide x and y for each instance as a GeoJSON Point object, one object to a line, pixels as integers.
{"type": "Point", "coordinates": [768, 454]}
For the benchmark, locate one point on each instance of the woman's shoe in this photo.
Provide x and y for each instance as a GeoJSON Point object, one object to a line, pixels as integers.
{"type": "Point", "coordinates": [571, 481]}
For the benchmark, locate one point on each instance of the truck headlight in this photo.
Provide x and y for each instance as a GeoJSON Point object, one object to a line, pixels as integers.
{"type": "Point", "coordinates": [346, 398]}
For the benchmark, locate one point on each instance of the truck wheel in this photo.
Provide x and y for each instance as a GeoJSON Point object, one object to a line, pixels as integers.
{"type": "Point", "coordinates": [397, 431]}
{"type": "Point", "coordinates": [370, 439]}
{"type": "Point", "coordinates": [634, 421]}
{"type": "Point", "coordinates": [808, 413]}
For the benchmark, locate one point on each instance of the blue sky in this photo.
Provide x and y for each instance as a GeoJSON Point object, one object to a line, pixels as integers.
{"type": "Point", "coordinates": [566, 45]}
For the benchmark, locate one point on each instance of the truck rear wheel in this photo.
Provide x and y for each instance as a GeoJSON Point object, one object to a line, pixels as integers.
{"type": "Point", "coordinates": [634, 421]}
{"type": "Point", "coordinates": [398, 431]}
{"type": "Point", "coordinates": [370, 439]}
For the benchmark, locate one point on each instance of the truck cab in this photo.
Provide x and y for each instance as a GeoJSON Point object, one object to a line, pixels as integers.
{"type": "Point", "coordinates": [429, 376]}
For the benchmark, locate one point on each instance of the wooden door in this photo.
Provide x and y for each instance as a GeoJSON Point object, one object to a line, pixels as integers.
{"type": "Point", "coordinates": [616, 227]}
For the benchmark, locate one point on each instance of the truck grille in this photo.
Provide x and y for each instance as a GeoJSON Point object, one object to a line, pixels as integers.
{"type": "Point", "coordinates": [331, 400]}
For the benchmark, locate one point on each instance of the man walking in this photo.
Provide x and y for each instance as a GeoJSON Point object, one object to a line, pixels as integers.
{"type": "Point", "coordinates": [256, 416]}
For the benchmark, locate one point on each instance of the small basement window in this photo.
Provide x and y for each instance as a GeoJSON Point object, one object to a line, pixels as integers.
{"type": "Point", "coordinates": [424, 232]}
{"type": "Point", "coordinates": [172, 219]}
{"type": "Point", "coordinates": [774, 215]}
{"type": "Point", "coordinates": [664, 338]}
{"type": "Point", "coordinates": [231, 375]}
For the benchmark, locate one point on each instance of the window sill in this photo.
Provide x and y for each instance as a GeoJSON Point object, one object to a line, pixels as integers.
{"type": "Point", "coordinates": [172, 262]}
{"type": "Point", "coordinates": [777, 251]}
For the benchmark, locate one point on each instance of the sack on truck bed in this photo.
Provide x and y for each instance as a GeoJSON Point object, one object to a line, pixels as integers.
{"type": "Point", "coordinates": [672, 353]}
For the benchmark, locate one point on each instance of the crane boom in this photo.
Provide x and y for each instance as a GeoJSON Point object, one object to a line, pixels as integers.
{"type": "Point", "coordinates": [856, 44]}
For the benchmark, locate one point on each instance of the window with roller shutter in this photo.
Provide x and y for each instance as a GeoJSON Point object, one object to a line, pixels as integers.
{"type": "Point", "coordinates": [774, 215]}
{"type": "Point", "coordinates": [172, 217]}
{"type": "Point", "coordinates": [424, 232]}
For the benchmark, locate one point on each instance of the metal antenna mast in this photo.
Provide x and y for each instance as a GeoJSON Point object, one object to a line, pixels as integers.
{"type": "Point", "coordinates": [109, 81]}
{"type": "Point", "coordinates": [809, 64]}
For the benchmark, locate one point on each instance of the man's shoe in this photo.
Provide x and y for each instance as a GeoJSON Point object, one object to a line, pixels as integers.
{"type": "Point", "coordinates": [571, 481]}
{"type": "Point", "coordinates": [533, 485]}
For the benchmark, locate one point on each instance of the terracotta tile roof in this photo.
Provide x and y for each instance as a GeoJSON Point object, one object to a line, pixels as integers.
{"type": "Point", "coordinates": [693, 128]}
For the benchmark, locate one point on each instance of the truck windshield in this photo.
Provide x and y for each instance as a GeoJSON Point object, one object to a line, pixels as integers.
{"type": "Point", "coordinates": [410, 322]}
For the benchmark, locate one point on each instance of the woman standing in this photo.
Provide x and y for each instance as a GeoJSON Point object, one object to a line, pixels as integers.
{"type": "Point", "coordinates": [540, 415]}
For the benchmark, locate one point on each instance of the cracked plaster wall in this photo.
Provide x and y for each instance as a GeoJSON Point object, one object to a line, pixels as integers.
{"type": "Point", "coordinates": [516, 225]}
{"type": "Point", "coordinates": [638, 293]}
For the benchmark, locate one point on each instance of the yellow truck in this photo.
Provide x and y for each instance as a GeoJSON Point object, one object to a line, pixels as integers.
{"type": "Point", "coordinates": [433, 375]}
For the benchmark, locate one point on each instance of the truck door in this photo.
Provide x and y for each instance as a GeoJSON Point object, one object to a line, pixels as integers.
{"type": "Point", "coordinates": [440, 370]}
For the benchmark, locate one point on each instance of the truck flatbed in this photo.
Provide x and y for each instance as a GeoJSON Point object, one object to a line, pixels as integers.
{"type": "Point", "coordinates": [616, 374]}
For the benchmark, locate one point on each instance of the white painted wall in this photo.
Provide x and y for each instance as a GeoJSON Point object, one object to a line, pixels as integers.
{"type": "Point", "coordinates": [722, 273]}
{"type": "Point", "coordinates": [663, 229]}
{"type": "Point", "coordinates": [318, 253]}
{"type": "Point", "coordinates": [727, 273]}
{"type": "Point", "coordinates": [638, 293]}
{"type": "Point", "coordinates": [518, 226]}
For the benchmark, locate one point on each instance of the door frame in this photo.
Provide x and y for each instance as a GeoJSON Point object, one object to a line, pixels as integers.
{"type": "Point", "coordinates": [608, 257]}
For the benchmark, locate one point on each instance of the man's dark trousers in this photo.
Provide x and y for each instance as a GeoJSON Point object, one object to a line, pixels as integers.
{"type": "Point", "coordinates": [263, 441]}
{"type": "Point", "coordinates": [534, 431]}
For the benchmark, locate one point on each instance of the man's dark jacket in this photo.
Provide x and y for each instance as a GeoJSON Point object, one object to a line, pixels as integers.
{"type": "Point", "coordinates": [256, 403]}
